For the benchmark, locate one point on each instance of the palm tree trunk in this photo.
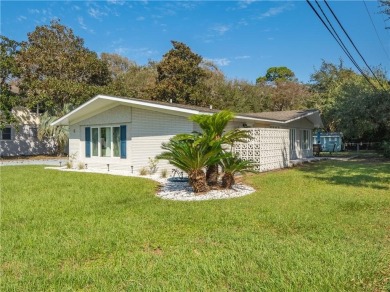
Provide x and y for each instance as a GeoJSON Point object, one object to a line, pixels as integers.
{"type": "Point", "coordinates": [212, 175]}
{"type": "Point", "coordinates": [228, 180]}
{"type": "Point", "coordinates": [197, 180]}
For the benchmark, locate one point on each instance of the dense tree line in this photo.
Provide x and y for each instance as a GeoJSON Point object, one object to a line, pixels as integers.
{"type": "Point", "coordinates": [54, 70]}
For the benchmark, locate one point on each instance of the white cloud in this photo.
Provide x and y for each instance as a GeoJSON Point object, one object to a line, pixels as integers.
{"type": "Point", "coordinates": [273, 11]}
{"type": "Point", "coordinates": [96, 13]}
{"type": "Point", "coordinates": [245, 3]}
{"type": "Point", "coordinates": [121, 50]}
{"type": "Point", "coordinates": [75, 7]}
{"type": "Point", "coordinates": [80, 20]}
{"type": "Point", "coordinates": [116, 2]}
{"type": "Point", "coordinates": [34, 11]}
{"type": "Point", "coordinates": [22, 17]}
{"type": "Point", "coordinates": [242, 57]}
{"type": "Point", "coordinates": [221, 29]}
{"type": "Point", "coordinates": [140, 18]}
{"type": "Point", "coordinates": [219, 61]}
{"type": "Point", "coordinates": [143, 52]}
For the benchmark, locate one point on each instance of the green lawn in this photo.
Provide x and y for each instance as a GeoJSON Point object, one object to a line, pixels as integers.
{"type": "Point", "coordinates": [320, 227]}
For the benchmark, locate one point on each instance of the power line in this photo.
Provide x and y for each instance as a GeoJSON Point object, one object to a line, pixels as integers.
{"type": "Point", "coordinates": [339, 40]}
{"type": "Point", "coordinates": [353, 44]}
{"type": "Point", "coordinates": [341, 44]}
{"type": "Point", "coordinates": [376, 32]}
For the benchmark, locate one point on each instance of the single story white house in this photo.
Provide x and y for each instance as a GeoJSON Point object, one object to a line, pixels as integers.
{"type": "Point", "coordinates": [21, 138]}
{"type": "Point", "coordinates": [123, 133]}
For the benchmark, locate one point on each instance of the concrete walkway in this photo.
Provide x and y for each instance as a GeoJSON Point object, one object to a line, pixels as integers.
{"type": "Point", "coordinates": [31, 161]}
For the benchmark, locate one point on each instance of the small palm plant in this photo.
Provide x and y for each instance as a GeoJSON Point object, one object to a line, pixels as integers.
{"type": "Point", "coordinates": [60, 134]}
{"type": "Point", "coordinates": [232, 164]}
{"type": "Point", "coordinates": [192, 153]}
{"type": "Point", "coordinates": [213, 127]}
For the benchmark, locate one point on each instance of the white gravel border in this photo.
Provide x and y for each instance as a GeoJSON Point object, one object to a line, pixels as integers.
{"type": "Point", "coordinates": [174, 190]}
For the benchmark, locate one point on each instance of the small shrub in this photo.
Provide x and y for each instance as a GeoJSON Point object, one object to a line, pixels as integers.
{"type": "Point", "coordinates": [164, 173]}
{"type": "Point", "coordinates": [153, 165]}
{"type": "Point", "coordinates": [386, 149]}
{"type": "Point", "coordinates": [69, 164]}
{"type": "Point", "coordinates": [144, 171]}
{"type": "Point", "coordinates": [81, 165]}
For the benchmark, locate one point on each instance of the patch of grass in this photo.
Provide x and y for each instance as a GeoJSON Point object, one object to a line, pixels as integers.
{"type": "Point", "coordinates": [319, 227]}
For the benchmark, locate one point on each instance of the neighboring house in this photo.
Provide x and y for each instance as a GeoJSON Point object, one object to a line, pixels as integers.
{"type": "Point", "coordinates": [21, 139]}
{"type": "Point", "coordinates": [330, 141]}
{"type": "Point", "coordinates": [123, 133]}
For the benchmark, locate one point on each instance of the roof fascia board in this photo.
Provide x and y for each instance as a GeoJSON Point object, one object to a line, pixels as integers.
{"type": "Point", "coordinates": [259, 120]}
{"type": "Point", "coordinates": [58, 122]}
{"type": "Point", "coordinates": [93, 113]}
{"type": "Point", "coordinates": [151, 105]}
{"type": "Point", "coordinates": [129, 102]}
{"type": "Point", "coordinates": [301, 117]}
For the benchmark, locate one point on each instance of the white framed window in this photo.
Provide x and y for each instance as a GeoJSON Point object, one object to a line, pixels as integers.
{"type": "Point", "coordinates": [306, 139]}
{"type": "Point", "coordinates": [292, 139]}
{"type": "Point", "coordinates": [105, 141]}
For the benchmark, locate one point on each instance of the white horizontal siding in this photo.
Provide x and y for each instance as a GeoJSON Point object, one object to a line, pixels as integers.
{"type": "Point", "coordinates": [146, 131]}
{"type": "Point", "coordinates": [149, 130]}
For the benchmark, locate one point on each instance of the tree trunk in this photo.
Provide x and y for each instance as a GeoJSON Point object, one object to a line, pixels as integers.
{"type": "Point", "coordinates": [212, 175]}
{"type": "Point", "coordinates": [197, 180]}
{"type": "Point", "coordinates": [228, 180]}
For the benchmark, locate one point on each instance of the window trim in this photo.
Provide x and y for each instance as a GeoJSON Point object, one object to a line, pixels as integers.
{"type": "Point", "coordinates": [99, 145]}
{"type": "Point", "coordinates": [306, 142]}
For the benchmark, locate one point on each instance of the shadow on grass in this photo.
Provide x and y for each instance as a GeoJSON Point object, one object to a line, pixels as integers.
{"type": "Point", "coordinates": [361, 173]}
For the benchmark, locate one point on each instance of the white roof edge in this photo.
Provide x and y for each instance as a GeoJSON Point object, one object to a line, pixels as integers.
{"type": "Point", "coordinates": [124, 100]}
{"type": "Point", "coordinates": [76, 109]}
{"type": "Point", "coordinates": [277, 121]}
{"type": "Point", "coordinates": [303, 116]}
{"type": "Point", "coordinates": [259, 119]}
{"type": "Point", "coordinates": [150, 104]}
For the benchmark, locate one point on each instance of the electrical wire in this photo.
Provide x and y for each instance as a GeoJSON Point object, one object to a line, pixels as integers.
{"type": "Point", "coordinates": [339, 40]}
{"type": "Point", "coordinates": [376, 32]}
{"type": "Point", "coordinates": [341, 45]}
{"type": "Point", "coordinates": [353, 44]}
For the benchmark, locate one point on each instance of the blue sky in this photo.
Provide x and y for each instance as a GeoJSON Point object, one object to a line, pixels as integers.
{"type": "Point", "coordinates": [243, 38]}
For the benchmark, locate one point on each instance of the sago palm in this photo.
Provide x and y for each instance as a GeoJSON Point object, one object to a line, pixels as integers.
{"type": "Point", "coordinates": [191, 153]}
{"type": "Point", "coordinates": [213, 127]}
{"type": "Point", "coordinates": [231, 164]}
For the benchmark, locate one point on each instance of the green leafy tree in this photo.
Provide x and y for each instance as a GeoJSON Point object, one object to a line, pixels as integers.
{"type": "Point", "coordinates": [117, 64]}
{"type": "Point", "coordinates": [179, 76]}
{"type": "Point", "coordinates": [361, 111]}
{"type": "Point", "coordinates": [136, 82]}
{"type": "Point", "coordinates": [277, 74]}
{"type": "Point", "coordinates": [9, 49]}
{"type": "Point", "coordinates": [324, 86]}
{"type": "Point", "coordinates": [55, 67]}
{"type": "Point", "coordinates": [385, 4]}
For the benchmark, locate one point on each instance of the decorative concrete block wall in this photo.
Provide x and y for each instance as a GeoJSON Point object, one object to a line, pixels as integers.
{"type": "Point", "coordinates": [269, 148]}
